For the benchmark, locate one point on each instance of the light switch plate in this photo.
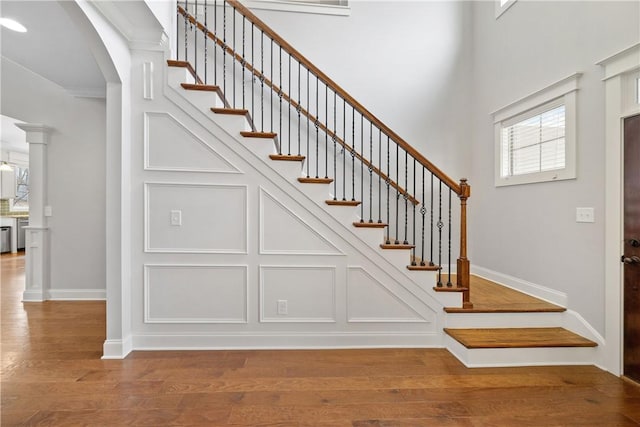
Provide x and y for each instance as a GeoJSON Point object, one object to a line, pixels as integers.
{"type": "Point", "coordinates": [176, 218]}
{"type": "Point", "coordinates": [585, 215]}
{"type": "Point", "coordinates": [282, 307]}
{"type": "Point", "coordinates": [48, 211]}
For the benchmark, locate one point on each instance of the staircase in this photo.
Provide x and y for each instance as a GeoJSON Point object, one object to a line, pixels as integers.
{"type": "Point", "coordinates": [355, 169]}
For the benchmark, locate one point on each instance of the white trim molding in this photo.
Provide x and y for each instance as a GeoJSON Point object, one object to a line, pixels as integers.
{"type": "Point", "coordinates": [300, 6]}
{"type": "Point", "coordinates": [615, 68]}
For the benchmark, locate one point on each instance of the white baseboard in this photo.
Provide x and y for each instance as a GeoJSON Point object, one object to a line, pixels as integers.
{"type": "Point", "coordinates": [76, 294]}
{"type": "Point", "coordinates": [538, 291]}
{"type": "Point", "coordinates": [286, 341]}
{"type": "Point", "coordinates": [33, 296]}
{"type": "Point", "coordinates": [116, 349]}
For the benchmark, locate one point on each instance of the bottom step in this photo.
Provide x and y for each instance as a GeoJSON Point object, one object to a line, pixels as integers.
{"type": "Point", "coordinates": [518, 338]}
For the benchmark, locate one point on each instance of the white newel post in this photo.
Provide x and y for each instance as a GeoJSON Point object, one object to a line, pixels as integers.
{"type": "Point", "coordinates": [37, 238]}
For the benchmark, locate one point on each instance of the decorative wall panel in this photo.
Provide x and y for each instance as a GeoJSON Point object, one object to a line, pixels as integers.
{"type": "Point", "coordinates": [195, 293]}
{"type": "Point", "coordinates": [308, 292]}
{"type": "Point", "coordinates": [171, 146]}
{"type": "Point", "coordinates": [196, 218]}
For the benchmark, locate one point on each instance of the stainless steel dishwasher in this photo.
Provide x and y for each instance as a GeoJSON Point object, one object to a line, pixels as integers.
{"type": "Point", "coordinates": [22, 223]}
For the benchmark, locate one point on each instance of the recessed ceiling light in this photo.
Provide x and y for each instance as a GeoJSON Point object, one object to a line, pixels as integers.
{"type": "Point", "coordinates": [12, 25]}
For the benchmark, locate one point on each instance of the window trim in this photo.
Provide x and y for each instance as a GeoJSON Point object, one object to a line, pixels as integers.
{"type": "Point", "coordinates": [561, 92]}
{"type": "Point", "coordinates": [301, 7]}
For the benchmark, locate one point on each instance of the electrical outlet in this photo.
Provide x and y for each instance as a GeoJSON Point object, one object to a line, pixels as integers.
{"type": "Point", "coordinates": [585, 215]}
{"type": "Point", "coordinates": [176, 218]}
{"type": "Point", "coordinates": [282, 307]}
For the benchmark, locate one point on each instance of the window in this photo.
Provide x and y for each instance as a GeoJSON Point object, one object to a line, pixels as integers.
{"type": "Point", "coordinates": [21, 202]}
{"type": "Point", "coordinates": [535, 137]}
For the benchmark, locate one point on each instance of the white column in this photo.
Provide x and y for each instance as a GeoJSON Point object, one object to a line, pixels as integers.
{"type": "Point", "coordinates": [37, 233]}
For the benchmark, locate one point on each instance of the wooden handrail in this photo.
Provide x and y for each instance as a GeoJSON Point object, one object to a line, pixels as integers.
{"type": "Point", "coordinates": [344, 95]}
{"type": "Point", "coordinates": [296, 106]}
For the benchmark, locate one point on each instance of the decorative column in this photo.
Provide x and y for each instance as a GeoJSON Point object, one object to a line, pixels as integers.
{"type": "Point", "coordinates": [37, 268]}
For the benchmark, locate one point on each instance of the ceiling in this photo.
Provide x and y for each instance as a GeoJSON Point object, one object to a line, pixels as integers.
{"type": "Point", "coordinates": [52, 46]}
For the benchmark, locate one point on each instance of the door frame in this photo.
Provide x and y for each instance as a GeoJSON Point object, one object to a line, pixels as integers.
{"type": "Point", "coordinates": [620, 73]}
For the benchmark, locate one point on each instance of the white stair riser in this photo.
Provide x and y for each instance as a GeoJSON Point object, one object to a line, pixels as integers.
{"type": "Point", "coordinates": [372, 236]}
{"type": "Point", "coordinates": [491, 357]}
{"type": "Point", "coordinates": [501, 320]}
{"type": "Point", "coordinates": [261, 146]}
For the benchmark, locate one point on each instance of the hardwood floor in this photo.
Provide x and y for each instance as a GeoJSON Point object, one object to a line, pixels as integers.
{"type": "Point", "coordinates": [52, 375]}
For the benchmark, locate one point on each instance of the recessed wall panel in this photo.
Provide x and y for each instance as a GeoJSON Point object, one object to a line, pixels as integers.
{"type": "Point", "coordinates": [307, 291]}
{"type": "Point", "coordinates": [196, 218]}
{"type": "Point", "coordinates": [195, 294]}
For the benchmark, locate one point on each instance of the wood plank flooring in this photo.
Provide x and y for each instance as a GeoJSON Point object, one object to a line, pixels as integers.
{"type": "Point", "coordinates": [489, 297]}
{"type": "Point", "coordinates": [518, 338]}
{"type": "Point", "coordinates": [51, 374]}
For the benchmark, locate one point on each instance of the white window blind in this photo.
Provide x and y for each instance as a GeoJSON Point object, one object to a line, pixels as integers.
{"type": "Point", "coordinates": [534, 144]}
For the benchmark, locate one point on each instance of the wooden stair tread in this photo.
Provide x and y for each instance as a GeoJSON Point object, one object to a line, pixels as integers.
{"type": "Point", "coordinates": [518, 338]}
{"type": "Point", "coordinates": [231, 111]}
{"type": "Point", "coordinates": [311, 180]}
{"type": "Point", "coordinates": [396, 246]}
{"type": "Point", "coordinates": [427, 267]}
{"type": "Point", "coordinates": [453, 288]}
{"type": "Point", "coordinates": [291, 158]}
{"type": "Point", "coordinates": [251, 134]}
{"type": "Point", "coordinates": [202, 87]}
{"type": "Point", "coordinates": [342, 202]}
{"type": "Point", "coordinates": [366, 224]}
{"type": "Point", "coordinates": [491, 297]}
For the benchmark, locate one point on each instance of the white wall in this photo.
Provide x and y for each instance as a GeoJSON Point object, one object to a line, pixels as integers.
{"type": "Point", "coordinates": [529, 231]}
{"type": "Point", "coordinates": [406, 62]}
{"type": "Point", "coordinates": [76, 175]}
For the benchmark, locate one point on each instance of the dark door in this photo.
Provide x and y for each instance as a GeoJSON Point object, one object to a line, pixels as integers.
{"type": "Point", "coordinates": [631, 257]}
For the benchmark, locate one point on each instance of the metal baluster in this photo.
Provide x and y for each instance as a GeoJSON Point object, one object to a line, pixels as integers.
{"type": "Point", "coordinates": [224, 50]}
{"type": "Point", "coordinates": [177, 32]}
{"type": "Point", "coordinates": [233, 57]}
{"type": "Point", "coordinates": [423, 211]}
{"type": "Point", "coordinates": [335, 149]}
{"type": "Point", "coordinates": [253, 76]}
{"type": "Point", "coordinates": [440, 225]}
{"type": "Point", "coordinates": [298, 108]}
{"type": "Point", "coordinates": [206, 33]}
{"type": "Point", "coordinates": [431, 227]}
{"type": "Point", "coordinates": [370, 172]}
{"type": "Point", "coordinates": [449, 284]}
{"type": "Point", "coordinates": [261, 81]}
{"type": "Point", "coordinates": [215, 32]}
{"type": "Point", "coordinates": [244, 60]}
{"type": "Point", "coordinates": [280, 94]}
{"type": "Point", "coordinates": [317, 125]}
{"type": "Point", "coordinates": [397, 241]}
{"type": "Point", "coordinates": [362, 168]}
{"type": "Point", "coordinates": [353, 153]}
{"type": "Point", "coordinates": [406, 199]}
{"type": "Point", "coordinates": [380, 177]}
{"type": "Point", "coordinates": [271, 77]}
{"type": "Point", "coordinates": [289, 111]}
{"type": "Point", "coordinates": [307, 160]}
{"type": "Point", "coordinates": [326, 134]}
{"type": "Point", "coordinates": [344, 149]}
{"type": "Point", "coordinates": [413, 205]}
{"type": "Point", "coordinates": [186, 24]}
{"type": "Point", "coordinates": [388, 182]}
{"type": "Point", "coordinates": [195, 42]}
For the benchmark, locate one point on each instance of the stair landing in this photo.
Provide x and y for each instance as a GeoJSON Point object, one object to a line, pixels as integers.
{"type": "Point", "coordinates": [490, 297]}
{"type": "Point", "coordinates": [518, 338]}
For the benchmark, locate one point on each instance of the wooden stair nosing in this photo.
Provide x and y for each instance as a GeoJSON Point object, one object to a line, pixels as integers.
{"type": "Point", "coordinates": [342, 202]}
{"type": "Point", "coordinates": [252, 134]}
{"type": "Point", "coordinates": [419, 267]}
{"type": "Point", "coordinates": [366, 224]}
{"type": "Point", "coordinates": [502, 310]}
{"type": "Point", "coordinates": [449, 289]}
{"type": "Point", "coordinates": [311, 180]}
{"type": "Point", "coordinates": [230, 111]}
{"type": "Point", "coordinates": [398, 246]}
{"type": "Point", "coordinates": [292, 158]}
{"type": "Point", "coordinates": [201, 87]}
{"type": "Point", "coordinates": [483, 338]}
